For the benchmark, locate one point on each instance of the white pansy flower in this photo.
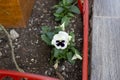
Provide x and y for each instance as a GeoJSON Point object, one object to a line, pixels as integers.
{"type": "Point", "coordinates": [76, 56]}
{"type": "Point", "coordinates": [61, 40]}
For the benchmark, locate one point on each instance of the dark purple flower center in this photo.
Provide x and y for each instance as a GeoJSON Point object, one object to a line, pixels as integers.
{"type": "Point", "coordinates": [60, 43]}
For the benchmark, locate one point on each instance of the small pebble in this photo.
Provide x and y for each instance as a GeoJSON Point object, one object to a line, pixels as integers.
{"type": "Point", "coordinates": [35, 29]}
{"type": "Point", "coordinates": [80, 39]}
{"type": "Point", "coordinates": [35, 6]}
{"type": "Point", "coordinates": [17, 56]}
{"type": "Point", "coordinates": [18, 46]}
{"type": "Point", "coordinates": [38, 2]}
{"type": "Point", "coordinates": [45, 11]}
{"type": "Point", "coordinates": [29, 29]}
{"type": "Point", "coordinates": [16, 43]}
{"type": "Point", "coordinates": [38, 9]}
{"type": "Point", "coordinates": [32, 60]}
{"type": "Point", "coordinates": [46, 72]}
{"type": "Point", "coordinates": [5, 51]}
{"type": "Point", "coordinates": [29, 24]}
{"type": "Point", "coordinates": [43, 4]}
{"type": "Point", "coordinates": [37, 42]}
{"type": "Point", "coordinates": [14, 35]}
{"type": "Point", "coordinates": [63, 67]}
{"type": "Point", "coordinates": [51, 69]}
{"type": "Point", "coordinates": [35, 61]}
{"type": "Point", "coordinates": [64, 74]}
{"type": "Point", "coordinates": [49, 73]}
{"type": "Point", "coordinates": [41, 16]}
{"type": "Point", "coordinates": [28, 68]}
{"type": "Point", "coordinates": [31, 21]}
{"type": "Point", "coordinates": [73, 21]}
{"type": "Point", "coordinates": [16, 40]}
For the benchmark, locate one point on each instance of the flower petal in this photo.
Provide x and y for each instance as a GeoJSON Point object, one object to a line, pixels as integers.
{"type": "Point", "coordinates": [64, 46]}
{"type": "Point", "coordinates": [58, 47]}
{"type": "Point", "coordinates": [63, 33]}
{"type": "Point", "coordinates": [76, 56]}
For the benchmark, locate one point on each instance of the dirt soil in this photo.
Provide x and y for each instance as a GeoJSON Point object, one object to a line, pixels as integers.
{"type": "Point", "coordinates": [32, 54]}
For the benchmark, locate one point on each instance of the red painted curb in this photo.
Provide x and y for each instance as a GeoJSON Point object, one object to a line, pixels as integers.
{"type": "Point", "coordinates": [85, 13]}
{"type": "Point", "coordinates": [18, 75]}
{"type": "Point", "coordinates": [80, 6]}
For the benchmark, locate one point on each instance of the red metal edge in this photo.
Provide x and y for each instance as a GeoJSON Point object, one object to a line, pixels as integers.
{"type": "Point", "coordinates": [17, 75]}
{"type": "Point", "coordinates": [80, 6]}
{"type": "Point", "coordinates": [85, 42]}
{"type": "Point", "coordinates": [85, 14]}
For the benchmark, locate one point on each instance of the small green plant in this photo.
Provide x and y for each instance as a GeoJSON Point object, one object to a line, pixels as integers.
{"type": "Point", "coordinates": [65, 10]}
{"type": "Point", "coordinates": [62, 43]}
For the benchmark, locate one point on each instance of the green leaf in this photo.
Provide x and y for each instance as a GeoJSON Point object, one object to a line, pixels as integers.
{"type": "Point", "coordinates": [75, 51]}
{"type": "Point", "coordinates": [69, 57]}
{"type": "Point", "coordinates": [65, 20]}
{"type": "Point", "coordinates": [67, 8]}
{"type": "Point", "coordinates": [69, 1]}
{"type": "Point", "coordinates": [50, 35]}
{"type": "Point", "coordinates": [57, 19]}
{"type": "Point", "coordinates": [57, 29]}
{"type": "Point", "coordinates": [73, 36]}
{"type": "Point", "coordinates": [64, 2]}
{"type": "Point", "coordinates": [59, 10]}
{"type": "Point", "coordinates": [61, 3]}
{"type": "Point", "coordinates": [55, 6]}
{"type": "Point", "coordinates": [70, 14]}
{"type": "Point", "coordinates": [46, 39]}
{"type": "Point", "coordinates": [75, 9]}
{"type": "Point", "coordinates": [57, 15]}
{"type": "Point", "coordinates": [56, 52]}
{"type": "Point", "coordinates": [45, 29]}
